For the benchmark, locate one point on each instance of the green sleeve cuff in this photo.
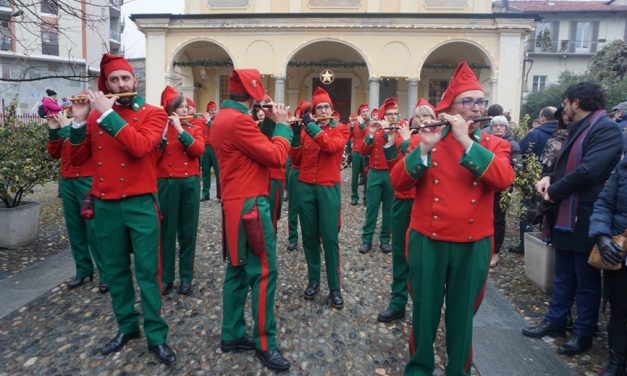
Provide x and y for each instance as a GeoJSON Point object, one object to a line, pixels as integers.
{"type": "Point", "coordinates": [404, 146]}
{"type": "Point", "coordinates": [413, 163]}
{"type": "Point", "coordinates": [477, 160]}
{"type": "Point", "coordinates": [362, 126]}
{"type": "Point", "coordinates": [390, 153]}
{"type": "Point", "coordinates": [53, 134]}
{"type": "Point", "coordinates": [77, 135]}
{"type": "Point", "coordinates": [282, 130]}
{"type": "Point", "coordinates": [112, 124]}
{"type": "Point", "coordinates": [313, 129]}
{"type": "Point", "coordinates": [368, 140]}
{"type": "Point", "coordinates": [163, 143]}
{"type": "Point", "coordinates": [267, 127]}
{"type": "Point", "coordinates": [185, 138]}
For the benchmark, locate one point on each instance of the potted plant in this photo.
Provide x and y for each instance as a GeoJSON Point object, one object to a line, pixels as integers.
{"type": "Point", "coordinates": [24, 163]}
{"type": "Point", "coordinates": [539, 256]}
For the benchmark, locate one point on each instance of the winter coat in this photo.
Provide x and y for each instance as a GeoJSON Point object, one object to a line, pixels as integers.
{"type": "Point", "coordinates": [535, 140]}
{"type": "Point", "coordinates": [51, 107]}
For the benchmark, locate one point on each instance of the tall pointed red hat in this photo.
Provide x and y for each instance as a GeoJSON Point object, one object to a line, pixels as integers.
{"type": "Point", "coordinates": [211, 104]}
{"type": "Point", "coordinates": [319, 96]}
{"type": "Point", "coordinates": [108, 64]}
{"type": "Point", "coordinates": [167, 96]}
{"type": "Point", "coordinates": [463, 80]}
{"type": "Point", "coordinates": [247, 81]}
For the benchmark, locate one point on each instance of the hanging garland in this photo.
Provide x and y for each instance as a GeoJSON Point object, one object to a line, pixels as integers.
{"type": "Point", "coordinates": [454, 66]}
{"type": "Point", "coordinates": [317, 64]}
{"type": "Point", "coordinates": [203, 63]}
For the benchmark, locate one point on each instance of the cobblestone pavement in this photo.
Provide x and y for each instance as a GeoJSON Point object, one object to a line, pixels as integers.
{"type": "Point", "coordinates": [62, 331]}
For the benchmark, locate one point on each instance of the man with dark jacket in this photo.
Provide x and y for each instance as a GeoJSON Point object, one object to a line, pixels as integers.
{"type": "Point", "coordinates": [535, 140]}
{"type": "Point", "coordinates": [592, 149]}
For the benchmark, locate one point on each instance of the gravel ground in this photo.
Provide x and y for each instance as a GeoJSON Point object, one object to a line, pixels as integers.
{"type": "Point", "coordinates": [61, 332]}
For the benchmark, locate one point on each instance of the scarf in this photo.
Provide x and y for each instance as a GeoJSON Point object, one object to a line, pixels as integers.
{"type": "Point", "coordinates": [567, 212]}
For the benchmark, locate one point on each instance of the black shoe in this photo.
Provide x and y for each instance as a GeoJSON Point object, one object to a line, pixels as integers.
{"type": "Point", "coordinates": [354, 202]}
{"type": "Point", "coordinates": [292, 246]}
{"type": "Point", "coordinates": [365, 248]}
{"type": "Point", "coordinates": [166, 288]}
{"type": "Point", "coordinates": [617, 343]}
{"type": "Point", "coordinates": [575, 345]}
{"type": "Point", "coordinates": [103, 288]}
{"type": "Point", "coordinates": [311, 290]}
{"type": "Point", "coordinates": [237, 345]}
{"type": "Point", "coordinates": [273, 360]}
{"type": "Point", "coordinates": [335, 296]}
{"type": "Point", "coordinates": [545, 328]}
{"type": "Point", "coordinates": [385, 248]}
{"type": "Point", "coordinates": [78, 282]}
{"type": "Point", "coordinates": [389, 315]}
{"type": "Point", "coordinates": [185, 288]}
{"type": "Point", "coordinates": [164, 353]}
{"type": "Point", "coordinates": [518, 249]}
{"type": "Point", "coordinates": [117, 342]}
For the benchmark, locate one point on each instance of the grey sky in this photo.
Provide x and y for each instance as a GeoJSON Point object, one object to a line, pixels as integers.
{"type": "Point", "coordinates": [133, 40]}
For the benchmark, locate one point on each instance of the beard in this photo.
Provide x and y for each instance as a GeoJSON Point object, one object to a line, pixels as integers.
{"type": "Point", "coordinates": [125, 100]}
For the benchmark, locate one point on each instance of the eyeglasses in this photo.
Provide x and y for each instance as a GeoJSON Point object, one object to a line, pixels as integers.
{"type": "Point", "coordinates": [470, 103]}
{"type": "Point", "coordinates": [323, 107]}
{"type": "Point", "coordinates": [391, 114]}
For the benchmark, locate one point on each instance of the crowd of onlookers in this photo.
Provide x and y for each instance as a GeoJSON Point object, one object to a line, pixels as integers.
{"type": "Point", "coordinates": [581, 203]}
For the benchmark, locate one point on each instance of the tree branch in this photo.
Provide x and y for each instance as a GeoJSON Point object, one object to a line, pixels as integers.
{"type": "Point", "coordinates": [77, 77]}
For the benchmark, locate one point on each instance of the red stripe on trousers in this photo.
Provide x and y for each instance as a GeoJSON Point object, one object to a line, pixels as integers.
{"type": "Point", "coordinates": [412, 345]}
{"type": "Point", "coordinates": [261, 308]}
{"type": "Point", "coordinates": [159, 270]}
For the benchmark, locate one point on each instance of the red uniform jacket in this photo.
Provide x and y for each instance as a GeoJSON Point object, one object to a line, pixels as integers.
{"type": "Point", "coordinates": [358, 132]}
{"type": "Point", "coordinates": [245, 155]}
{"type": "Point", "coordinates": [123, 148]}
{"type": "Point", "coordinates": [205, 125]}
{"type": "Point", "coordinates": [455, 191]}
{"type": "Point", "coordinates": [375, 150]}
{"type": "Point", "coordinates": [392, 156]}
{"type": "Point", "coordinates": [179, 155]}
{"type": "Point", "coordinates": [320, 154]}
{"type": "Point", "coordinates": [59, 148]}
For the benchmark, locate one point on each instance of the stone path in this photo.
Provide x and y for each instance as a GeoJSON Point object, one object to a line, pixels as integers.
{"type": "Point", "coordinates": [61, 331]}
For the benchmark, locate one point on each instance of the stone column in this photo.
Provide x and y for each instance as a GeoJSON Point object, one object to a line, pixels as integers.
{"type": "Point", "coordinates": [155, 65]}
{"type": "Point", "coordinates": [493, 85]}
{"type": "Point", "coordinates": [373, 100]}
{"type": "Point", "coordinates": [412, 96]}
{"type": "Point", "coordinates": [509, 75]}
{"type": "Point", "coordinates": [279, 89]}
{"type": "Point", "coordinates": [292, 99]}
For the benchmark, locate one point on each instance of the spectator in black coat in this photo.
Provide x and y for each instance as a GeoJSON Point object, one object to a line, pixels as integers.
{"type": "Point", "coordinates": [535, 140]}
{"type": "Point", "coordinates": [592, 149]}
{"type": "Point", "coordinates": [609, 218]}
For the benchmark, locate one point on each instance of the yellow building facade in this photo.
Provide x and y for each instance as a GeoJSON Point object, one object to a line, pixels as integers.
{"type": "Point", "coordinates": [373, 49]}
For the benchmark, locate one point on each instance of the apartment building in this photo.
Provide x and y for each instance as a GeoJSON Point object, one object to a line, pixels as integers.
{"type": "Point", "coordinates": [48, 41]}
{"type": "Point", "coordinates": [567, 36]}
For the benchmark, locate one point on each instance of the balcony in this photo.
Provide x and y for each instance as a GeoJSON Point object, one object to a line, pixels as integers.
{"type": "Point", "coordinates": [564, 47]}
{"type": "Point", "coordinates": [115, 8]}
{"type": "Point", "coordinates": [50, 48]}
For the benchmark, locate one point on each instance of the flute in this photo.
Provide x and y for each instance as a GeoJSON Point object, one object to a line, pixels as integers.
{"type": "Point", "coordinates": [82, 98]}
{"type": "Point", "coordinates": [444, 122]}
{"type": "Point", "coordinates": [323, 118]}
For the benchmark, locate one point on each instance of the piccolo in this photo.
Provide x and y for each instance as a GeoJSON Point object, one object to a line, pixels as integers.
{"type": "Point", "coordinates": [82, 98]}
{"type": "Point", "coordinates": [445, 122]}
{"type": "Point", "coordinates": [263, 105]}
{"type": "Point", "coordinates": [327, 118]}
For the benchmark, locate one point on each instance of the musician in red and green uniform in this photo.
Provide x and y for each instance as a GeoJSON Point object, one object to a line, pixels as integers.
{"type": "Point", "coordinates": [293, 186]}
{"type": "Point", "coordinates": [178, 184]}
{"type": "Point", "coordinates": [379, 192]}
{"type": "Point", "coordinates": [455, 170]}
{"type": "Point", "coordinates": [75, 182]}
{"type": "Point", "coordinates": [395, 149]}
{"type": "Point", "coordinates": [358, 165]}
{"type": "Point", "coordinates": [245, 155]}
{"type": "Point", "coordinates": [318, 149]}
{"type": "Point", "coordinates": [121, 137]}
{"type": "Point", "coordinates": [209, 160]}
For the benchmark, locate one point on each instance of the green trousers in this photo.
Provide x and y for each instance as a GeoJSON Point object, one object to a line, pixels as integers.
{"type": "Point", "coordinates": [124, 226]}
{"type": "Point", "coordinates": [401, 215]}
{"type": "Point", "coordinates": [275, 197]}
{"type": "Point", "coordinates": [208, 161]}
{"type": "Point", "coordinates": [179, 208]}
{"type": "Point", "coordinates": [441, 270]}
{"type": "Point", "coordinates": [259, 273]}
{"type": "Point", "coordinates": [379, 192]}
{"type": "Point", "coordinates": [320, 221]}
{"type": "Point", "coordinates": [358, 165]}
{"type": "Point", "coordinates": [82, 233]}
{"type": "Point", "coordinates": [293, 205]}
